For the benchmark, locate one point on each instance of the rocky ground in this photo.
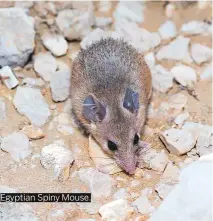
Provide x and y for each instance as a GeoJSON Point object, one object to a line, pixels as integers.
{"type": "Point", "coordinates": [41, 147]}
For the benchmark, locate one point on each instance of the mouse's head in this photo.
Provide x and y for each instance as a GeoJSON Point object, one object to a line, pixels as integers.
{"type": "Point", "coordinates": [116, 125]}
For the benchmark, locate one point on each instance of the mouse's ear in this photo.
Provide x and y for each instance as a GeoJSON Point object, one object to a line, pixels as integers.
{"type": "Point", "coordinates": [131, 100]}
{"type": "Point", "coordinates": [93, 110]}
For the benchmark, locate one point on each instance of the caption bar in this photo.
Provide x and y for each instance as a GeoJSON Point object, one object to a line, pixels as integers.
{"type": "Point", "coordinates": [45, 197]}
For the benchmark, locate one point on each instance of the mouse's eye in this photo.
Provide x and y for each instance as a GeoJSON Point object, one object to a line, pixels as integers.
{"type": "Point", "coordinates": [136, 139]}
{"type": "Point", "coordinates": [112, 146]}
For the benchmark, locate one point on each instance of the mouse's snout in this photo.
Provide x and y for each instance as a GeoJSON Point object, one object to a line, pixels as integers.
{"type": "Point", "coordinates": [128, 164]}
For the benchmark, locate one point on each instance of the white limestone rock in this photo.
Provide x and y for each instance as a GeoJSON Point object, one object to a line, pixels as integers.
{"type": "Point", "coordinates": [132, 11]}
{"type": "Point", "coordinates": [177, 141]}
{"type": "Point", "coordinates": [59, 158]}
{"type": "Point", "coordinates": [17, 144]}
{"type": "Point", "coordinates": [120, 194]}
{"type": "Point", "coordinates": [170, 10]}
{"type": "Point", "coordinates": [150, 60]}
{"type": "Point", "coordinates": [30, 103]}
{"type": "Point", "coordinates": [74, 23]}
{"type": "Point", "coordinates": [65, 129]}
{"type": "Point", "coordinates": [163, 189]}
{"type": "Point", "coordinates": [3, 114]}
{"type": "Point", "coordinates": [171, 174]}
{"type": "Point", "coordinates": [45, 65]}
{"type": "Point", "coordinates": [196, 28]}
{"type": "Point", "coordinates": [17, 37]}
{"type": "Point", "coordinates": [55, 43]}
{"type": "Point", "coordinates": [105, 6]}
{"type": "Point", "coordinates": [201, 53]}
{"type": "Point", "coordinates": [177, 50]}
{"type": "Point", "coordinates": [60, 85]}
{"type": "Point", "coordinates": [24, 4]}
{"type": "Point", "coordinates": [167, 30]}
{"type": "Point", "coordinates": [191, 199]}
{"type": "Point", "coordinates": [179, 120]}
{"type": "Point", "coordinates": [162, 79]}
{"type": "Point", "coordinates": [8, 77]}
{"type": "Point", "coordinates": [33, 82]}
{"type": "Point", "coordinates": [206, 73]}
{"type": "Point", "coordinates": [33, 132]}
{"type": "Point", "coordinates": [177, 101]}
{"type": "Point", "coordinates": [100, 184]}
{"type": "Point", "coordinates": [184, 75]}
{"type": "Point", "coordinates": [101, 22]}
{"type": "Point", "coordinates": [118, 210]}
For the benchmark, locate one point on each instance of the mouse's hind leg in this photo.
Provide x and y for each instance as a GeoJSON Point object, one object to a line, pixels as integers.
{"type": "Point", "coordinates": [81, 127]}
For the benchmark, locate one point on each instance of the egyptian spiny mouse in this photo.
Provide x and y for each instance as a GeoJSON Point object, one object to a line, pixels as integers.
{"type": "Point", "coordinates": [110, 91]}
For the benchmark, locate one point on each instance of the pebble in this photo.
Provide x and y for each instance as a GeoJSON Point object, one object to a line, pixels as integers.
{"type": "Point", "coordinates": [12, 81]}
{"type": "Point", "coordinates": [45, 65]}
{"type": "Point", "coordinates": [177, 141]}
{"type": "Point", "coordinates": [196, 28]}
{"type": "Point", "coordinates": [3, 114]}
{"type": "Point", "coordinates": [201, 53]}
{"type": "Point", "coordinates": [169, 10]}
{"type": "Point", "coordinates": [17, 37]}
{"type": "Point", "coordinates": [30, 103]}
{"type": "Point", "coordinates": [153, 159]}
{"type": "Point", "coordinates": [178, 101]}
{"type": "Point", "coordinates": [33, 82]}
{"type": "Point", "coordinates": [101, 22]}
{"type": "Point", "coordinates": [163, 189]}
{"type": "Point", "coordinates": [118, 210]}
{"type": "Point", "coordinates": [17, 144]}
{"type": "Point", "coordinates": [193, 192]}
{"type": "Point", "coordinates": [60, 85]}
{"type": "Point", "coordinates": [206, 73]}
{"type": "Point", "coordinates": [121, 194]}
{"type": "Point", "coordinates": [162, 79]}
{"type": "Point", "coordinates": [177, 50]}
{"type": "Point", "coordinates": [55, 43]}
{"type": "Point", "coordinates": [59, 158]}
{"type": "Point", "coordinates": [150, 60]}
{"type": "Point", "coordinates": [171, 173]}
{"type": "Point", "coordinates": [181, 118]}
{"type": "Point", "coordinates": [143, 205]}
{"type": "Point", "coordinates": [131, 11]}
{"type": "Point", "coordinates": [33, 132]}
{"type": "Point", "coordinates": [167, 30]}
{"type": "Point", "coordinates": [75, 24]}
{"type": "Point", "coordinates": [184, 75]}
{"type": "Point", "coordinates": [100, 184]}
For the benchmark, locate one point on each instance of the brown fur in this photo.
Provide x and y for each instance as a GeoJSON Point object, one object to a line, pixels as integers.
{"type": "Point", "coordinates": [105, 70]}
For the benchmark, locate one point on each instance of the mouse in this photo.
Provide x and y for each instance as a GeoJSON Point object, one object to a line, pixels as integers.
{"type": "Point", "coordinates": [111, 86]}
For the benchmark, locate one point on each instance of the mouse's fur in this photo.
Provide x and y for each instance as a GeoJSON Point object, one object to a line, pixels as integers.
{"type": "Point", "coordinates": [105, 70]}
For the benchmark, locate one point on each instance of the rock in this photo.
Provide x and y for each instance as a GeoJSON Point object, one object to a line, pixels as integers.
{"type": "Point", "coordinates": [162, 80]}
{"type": "Point", "coordinates": [191, 199]}
{"type": "Point", "coordinates": [33, 132]}
{"type": "Point", "coordinates": [204, 145]}
{"type": "Point", "coordinates": [59, 158]}
{"type": "Point", "coordinates": [163, 189]}
{"type": "Point", "coordinates": [17, 211]}
{"type": "Point", "coordinates": [30, 102]}
{"type": "Point", "coordinates": [55, 43]}
{"type": "Point", "coordinates": [196, 28]}
{"type": "Point", "coordinates": [177, 50]}
{"type": "Point", "coordinates": [152, 159]}
{"type": "Point", "coordinates": [65, 129]}
{"type": "Point", "coordinates": [140, 38]}
{"type": "Point", "coordinates": [120, 194]}
{"type": "Point", "coordinates": [17, 37]}
{"type": "Point", "coordinates": [74, 23]}
{"type": "Point", "coordinates": [33, 82]}
{"type": "Point", "coordinates": [184, 75]}
{"type": "Point", "coordinates": [171, 173]}
{"type": "Point", "coordinates": [150, 60]}
{"type": "Point", "coordinates": [60, 85]}
{"type": "Point", "coordinates": [8, 77]}
{"type": "Point", "coordinates": [45, 65]}
{"type": "Point", "coordinates": [206, 73]}
{"type": "Point", "coordinates": [17, 144]}
{"type": "Point", "coordinates": [117, 210]}
{"type": "Point", "coordinates": [178, 101]}
{"type": "Point", "coordinates": [143, 205]}
{"type": "Point", "coordinates": [167, 30]}
{"type": "Point", "coordinates": [6, 189]}
{"type": "Point", "coordinates": [101, 22]}
{"type": "Point", "coordinates": [100, 184]}
{"type": "Point", "coordinates": [201, 53]}
{"type": "Point", "coordinates": [3, 114]}
{"type": "Point", "coordinates": [96, 35]}
{"type": "Point", "coordinates": [169, 10]}
{"type": "Point", "coordinates": [103, 162]}
{"type": "Point", "coordinates": [24, 4]}
{"type": "Point", "coordinates": [104, 6]}
{"type": "Point", "coordinates": [177, 141]}
{"type": "Point", "coordinates": [132, 11]}
{"type": "Point", "coordinates": [179, 120]}
{"type": "Point", "coordinates": [91, 208]}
